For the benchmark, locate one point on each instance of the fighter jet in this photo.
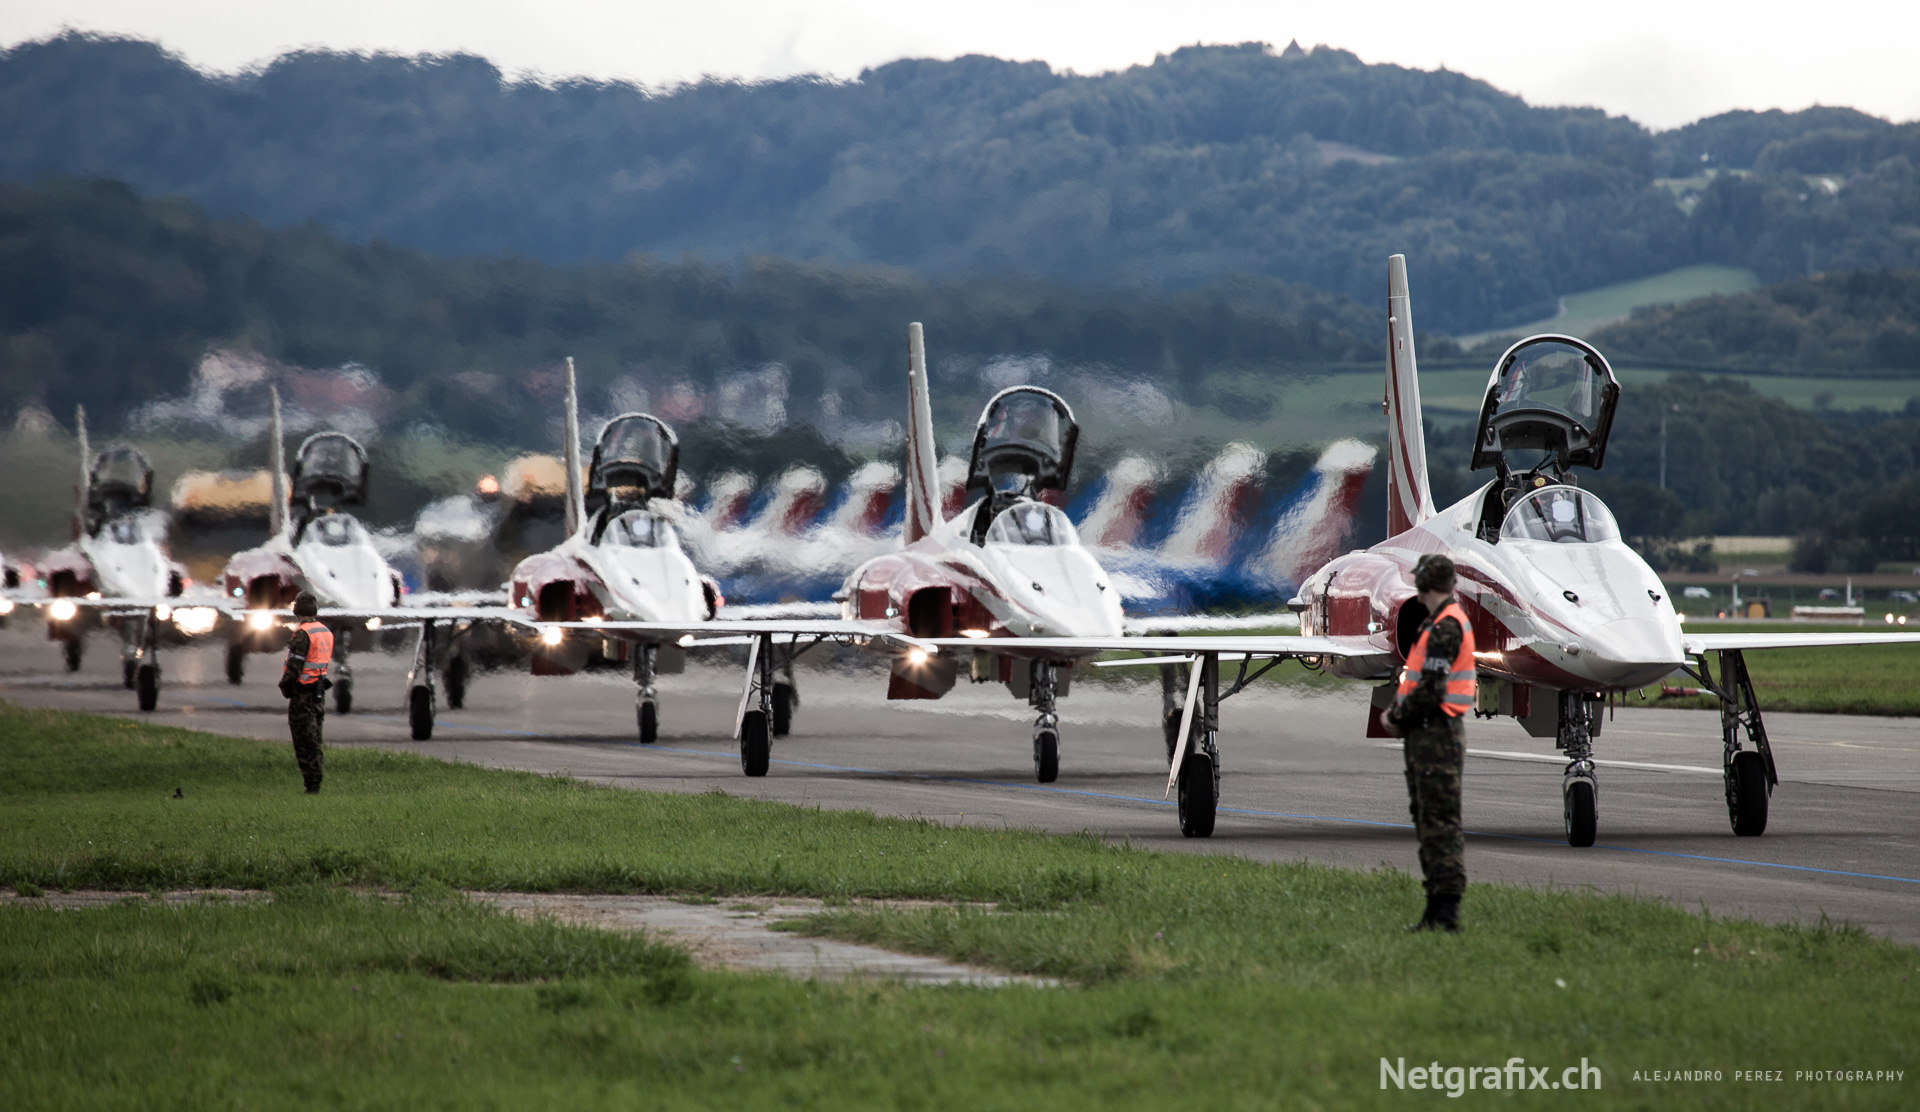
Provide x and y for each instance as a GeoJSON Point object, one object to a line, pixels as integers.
{"type": "Point", "coordinates": [314, 545]}
{"type": "Point", "coordinates": [117, 569]}
{"type": "Point", "coordinates": [1565, 615]}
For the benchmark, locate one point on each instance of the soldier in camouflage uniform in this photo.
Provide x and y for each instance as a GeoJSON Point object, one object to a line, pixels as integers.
{"type": "Point", "coordinates": [304, 682]}
{"type": "Point", "coordinates": [1436, 692]}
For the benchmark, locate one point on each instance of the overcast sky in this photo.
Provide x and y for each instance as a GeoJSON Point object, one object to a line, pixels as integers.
{"type": "Point", "coordinates": [1663, 62]}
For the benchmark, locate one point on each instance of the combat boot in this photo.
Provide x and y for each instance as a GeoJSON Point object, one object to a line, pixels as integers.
{"type": "Point", "coordinates": [1442, 914]}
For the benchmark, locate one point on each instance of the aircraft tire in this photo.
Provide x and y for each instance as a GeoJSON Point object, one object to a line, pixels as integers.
{"type": "Point", "coordinates": [419, 712]}
{"type": "Point", "coordinates": [456, 683]}
{"type": "Point", "coordinates": [127, 670]}
{"type": "Point", "coordinates": [1046, 756]}
{"type": "Point", "coordinates": [236, 663]}
{"type": "Point", "coordinates": [783, 700]}
{"type": "Point", "coordinates": [343, 699]}
{"type": "Point", "coordinates": [1747, 794]}
{"type": "Point", "coordinates": [70, 651]}
{"type": "Point", "coordinates": [1198, 792]}
{"type": "Point", "coordinates": [756, 746]}
{"type": "Point", "coordinates": [147, 685]}
{"type": "Point", "coordinates": [649, 716]}
{"type": "Point", "coordinates": [1582, 813]}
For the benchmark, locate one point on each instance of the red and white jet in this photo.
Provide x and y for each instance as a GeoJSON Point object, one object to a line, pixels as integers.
{"type": "Point", "coordinates": [1565, 615]}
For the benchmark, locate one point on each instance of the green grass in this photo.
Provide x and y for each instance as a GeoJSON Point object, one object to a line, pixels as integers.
{"type": "Point", "coordinates": [1207, 981]}
{"type": "Point", "coordinates": [1590, 309]}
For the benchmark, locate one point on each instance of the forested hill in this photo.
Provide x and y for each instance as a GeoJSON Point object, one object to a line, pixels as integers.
{"type": "Point", "coordinates": [1309, 167]}
{"type": "Point", "coordinates": [1863, 321]}
{"type": "Point", "coordinates": [111, 299]}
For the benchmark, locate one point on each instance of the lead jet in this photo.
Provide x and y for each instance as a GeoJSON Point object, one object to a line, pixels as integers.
{"type": "Point", "coordinates": [1565, 614]}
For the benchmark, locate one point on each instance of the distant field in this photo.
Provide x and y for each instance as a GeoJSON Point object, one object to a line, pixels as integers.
{"type": "Point", "coordinates": [1869, 679]}
{"type": "Point", "coordinates": [1188, 980]}
{"type": "Point", "coordinates": [1588, 310]}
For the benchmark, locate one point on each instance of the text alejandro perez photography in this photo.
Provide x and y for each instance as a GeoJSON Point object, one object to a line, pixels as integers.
{"type": "Point", "coordinates": [1516, 1074]}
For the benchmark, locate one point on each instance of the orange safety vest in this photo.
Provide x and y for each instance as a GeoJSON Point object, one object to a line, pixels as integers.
{"type": "Point", "coordinates": [1461, 684]}
{"type": "Point", "coordinates": [319, 652]}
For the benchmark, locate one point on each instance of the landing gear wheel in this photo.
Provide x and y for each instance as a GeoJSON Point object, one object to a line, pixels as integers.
{"type": "Point", "coordinates": [236, 664]}
{"type": "Point", "coordinates": [784, 697]}
{"type": "Point", "coordinates": [1582, 812]}
{"type": "Point", "coordinates": [70, 649]}
{"type": "Point", "coordinates": [456, 683]}
{"type": "Point", "coordinates": [756, 747]}
{"type": "Point", "coordinates": [343, 697]}
{"type": "Point", "coordinates": [419, 712]}
{"type": "Point", "coordinates": [1747, 794]}
{"type": "Point", "coordinates": [649, 716]}
{"type": "Point", "coordinates": [127, 669]}
{"type": "Point", "coordinates": [1046, 756]}
{"type": "Point", "coordinates": [1199, 791]}
{"type": "Point", "coordinates": [147, 683]}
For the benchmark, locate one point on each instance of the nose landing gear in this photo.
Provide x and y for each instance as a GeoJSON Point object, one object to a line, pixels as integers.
{"type": "Point", "coordinates": [1579, 788]}
{"type": "Point", "coordinates": [1046, 727]}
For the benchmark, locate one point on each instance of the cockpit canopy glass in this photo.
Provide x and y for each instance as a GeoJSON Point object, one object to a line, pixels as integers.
{"type": "Point", "coordinates": [1023, 443]}
{"type": "Point", "coordinates": [334, 530]}
{"type": "Point", "coordinates": [1548, 394]}
{"type": "Point", "coordinates": [1025, 418]}
{"type": "Point", "coordinates": [640, 529]}
{"type": "Point", "coordinates": [332, 455]}
{"type": "Point", "coordinates": [122, 470]}
{"type": "Point", "coordinates": [1561, 514]}
{"type": "Point", "coordinates": [125, 530]}
{"type": "Point", "coordinates": [637, 440]}
{"type": "Point", "coordinates": [1032, 523]}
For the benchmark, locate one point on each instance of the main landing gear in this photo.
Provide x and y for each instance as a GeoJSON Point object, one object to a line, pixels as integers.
{"type": "Point", "coordinates": [768, 702]}
{"type": "Point", "coordinates": [1192, 728]}
{"type": "Point", "coordinates": [1748, 773]}
{"type": "Point", "coordinates": [420, 693]}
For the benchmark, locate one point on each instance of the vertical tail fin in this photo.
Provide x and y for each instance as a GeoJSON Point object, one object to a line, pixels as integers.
{"type": "Point", "coordinates": [277, 460]}
{"type": "Point", "coordinates": [923, 481]}
{"type": "Point", "coordinates": [86, 472]}
{"type": "Point", "coordinates": [570, 457]}
{"type": "Point", "coordinates": [1409, 499]}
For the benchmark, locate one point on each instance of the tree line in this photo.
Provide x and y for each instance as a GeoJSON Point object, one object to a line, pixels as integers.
{"type": "Point", "coordinates": [1306, 167]}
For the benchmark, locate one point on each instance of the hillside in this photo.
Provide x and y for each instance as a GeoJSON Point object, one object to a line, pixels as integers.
{"type": "Point", "coordinates": [114, 300]}
{"type": "Point", "coordinates": [1215, 161]}
{"type": "Point", "coordinates": [1850, 322]}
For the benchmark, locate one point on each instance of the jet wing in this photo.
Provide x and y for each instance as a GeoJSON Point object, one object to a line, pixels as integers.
{"type": "Point", "coordinates": [1697, 643]}
{"type": "Point", "coordinates": [1149, 626]}
{"type": "Point", "coordinates": [1249, 645]}
{"type": "Point", "coordinates": [729, 628]}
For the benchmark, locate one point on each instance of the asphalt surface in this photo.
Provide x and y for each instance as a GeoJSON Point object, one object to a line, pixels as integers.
{"type": "Point", "coordinates": [1301, 782]}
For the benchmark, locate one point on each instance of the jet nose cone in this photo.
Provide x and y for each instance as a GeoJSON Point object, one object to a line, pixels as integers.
{"type": "Point", "coordinates": [1633, 652]}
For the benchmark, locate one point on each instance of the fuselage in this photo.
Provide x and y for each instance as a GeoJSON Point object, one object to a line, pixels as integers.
{"type": "Point", "coordinates": [1016, 584]}
{"type": "Point", "coordinates": [634, 571]}
{"type": "Point", "coordinates": [332, 556]}
{"type": "Point", "coordinates": [124, 559]}
{"type": "Point", "coordinates": [1570, 610]}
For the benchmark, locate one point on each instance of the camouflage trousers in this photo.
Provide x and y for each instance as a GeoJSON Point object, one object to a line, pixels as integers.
{"type": "Point", "coordinates": [1435, 756]}
{"type": "Point", "coordinates": [305, 712]}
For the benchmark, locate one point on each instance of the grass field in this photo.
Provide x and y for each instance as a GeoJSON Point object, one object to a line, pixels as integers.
{"type": "Point", "coordinates": [1870, 679]}
{"type": "Point", "coordinates": [1590, 309]}
{"type": "Point", "coordinates": [1199, 980]}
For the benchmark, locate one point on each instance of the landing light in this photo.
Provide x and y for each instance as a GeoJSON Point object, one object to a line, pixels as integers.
{"type": "Point", "coordinates": [916, 656]}
{"type": "Point", "coordinates": [1681, 618]}
{"type": "Point", "coordinates": [194, 620]}
{"type": "Point", "coordinates": [93, 594]}
{"type": "Point", "coordinates": [373, 623]}
{"type": "Point", "coordinates": [974, 633]}
{"type": "Point", "coordinates": [162, 612]}
{"type": "Point", "coordinates": [551, 635]}
{"type": "Point", "coordinates": [685, 640]}
{"type": "Point", "coordinates": [1889, 619]}
{"type": "Point", "coordinates": [62, 611]}
{"type": "Point", "coordinates": [260, 620]}
{"type": "Point", "coordinates": [593, 619]}
{"type": "Point", "coordinates": [6, 606]}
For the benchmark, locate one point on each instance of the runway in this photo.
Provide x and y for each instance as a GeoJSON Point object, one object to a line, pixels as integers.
{"type": "Point", "coordinates": [1300, 782]}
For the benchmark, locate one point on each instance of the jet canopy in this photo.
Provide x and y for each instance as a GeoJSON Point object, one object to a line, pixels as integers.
{"type": "Point", "coordinates": [1560, 514]}
{"type": "Point", "coordinates": [119, 480]}
{"type": "Point", "coordinates": [637, 458]}
{"type": "Point", "coordinates": [1023, 444]}
{"type": "Point", "coordinates": [1552, 394]}
{"type": "Point", "coordinates": [1033, 523]}
{"type": "Point", "coordinates": [329, 470]}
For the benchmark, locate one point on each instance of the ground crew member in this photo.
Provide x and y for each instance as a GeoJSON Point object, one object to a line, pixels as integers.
{"type": "Point", "coordinates": [305, 683]}
{"type": "Point", "coordinates": [1437, 690]}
